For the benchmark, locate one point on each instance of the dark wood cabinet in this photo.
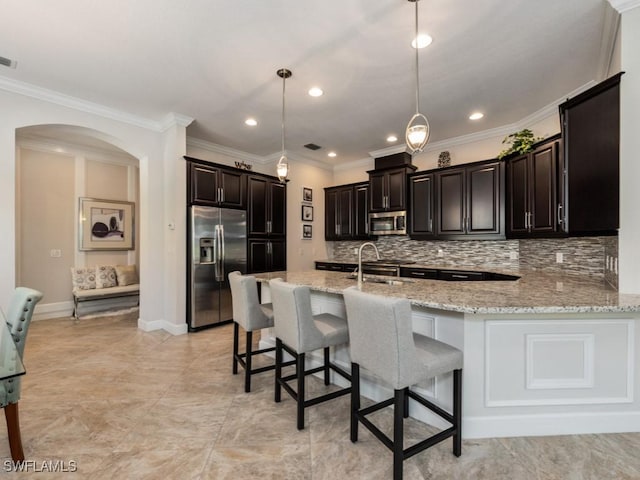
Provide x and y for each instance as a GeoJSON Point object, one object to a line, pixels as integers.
{"type": "Point", "coordinates": [470, 201]}
{"type": "Point", "coordinates": [336, 267]}
{"type": "Point", "coordinates": [591, 140]}
{"type": "Point", "coordinates": [346, 213]}
{"type": "Point", "coordinates": [388, 189]}
{"type": "Point", "coordinates": [216, 186]}
{"type": "Point", "coordinates": [267, 207]}
{"type": "Point", "coordinates": [421, 206]}
{"type": "Point", "coordinates": [266, 255]}
{"type": "Point", "coordinates": [532, 206]}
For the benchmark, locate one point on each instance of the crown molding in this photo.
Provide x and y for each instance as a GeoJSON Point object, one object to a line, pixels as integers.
{"type": "Point", "coordinates": [387, 151]}
{"type": "Point", "coordinates": [624, 5]}
{"type": "Point", "coordinates": [608, 41]}
{"type": "Point", "coordinates": [175, 119]}
{"type": "Point", "coordinates": [296, 157]}
{"type": "Point", "coordinates": [51, 96]}
{"type": "Point", "coordinates": [228, 151]}
{"type": "Point", "coordinates": [59, 147]}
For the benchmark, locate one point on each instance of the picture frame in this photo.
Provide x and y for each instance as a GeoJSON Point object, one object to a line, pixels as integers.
{"type": "Point", "coordinates": [105, 224]}
{"type": "Point", "coordinates": [307, 231]}
{"type": "Point", "coordinates": [307, 194]}
{"type": "Point", "coordinates": [307, 213]}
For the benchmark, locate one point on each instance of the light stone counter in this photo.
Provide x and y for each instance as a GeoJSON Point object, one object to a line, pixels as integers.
{"type": "Point", "coordinates": [535, 292]}
{"type": "Point", "coordinates": [543, 355]}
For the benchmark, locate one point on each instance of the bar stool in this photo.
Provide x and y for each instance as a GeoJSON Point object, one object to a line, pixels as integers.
{"type": "Point", "coordinates": [299, 332]}
{"type": "Point", "coordinates": [251, 315]}
{"type": "Point", "coordinates": [382, 342]}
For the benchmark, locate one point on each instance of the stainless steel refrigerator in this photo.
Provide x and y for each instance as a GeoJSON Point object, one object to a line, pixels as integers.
{"type": "Point", "coordinates": [217, 246]}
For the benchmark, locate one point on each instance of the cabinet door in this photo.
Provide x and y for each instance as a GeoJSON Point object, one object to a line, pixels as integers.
{"type": "Point", "coordinates": [258, 205]}
{"type": "Point", "coordinates": [484, 193]}
{"type": "Point", "coordinates": [232, 186]}
{"type": "Point", "coordinates": [258, 261]}
{"type": "Point", "coordinates": [277, 209]}
{"type": "Point", "coordinates": [451, 204]}
{"type": "Point", "coordinates": [277, 255]}
{"type": "Point", "coordinates": [345, 212]}
{"type": "Point", "coordinates": [543, 200]}
{"type": "Point", "coordinates": [204, 185]}
{"type": "Point", "coordinates": [361, 212]}
{"type": "Point", "coordinates": [377, 191]}
{"type": "Point", "coordinates": [330, 214]}
{"type": "Point", "coordinates": [421, 197]}
{"type": "Point", "coordinates": [518, 195]}
{"type": "Point", "coordinates": [396, 192]}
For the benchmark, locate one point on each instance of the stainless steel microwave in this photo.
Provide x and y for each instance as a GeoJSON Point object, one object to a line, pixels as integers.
{"type": "Point", "coordinates": [388, 223]}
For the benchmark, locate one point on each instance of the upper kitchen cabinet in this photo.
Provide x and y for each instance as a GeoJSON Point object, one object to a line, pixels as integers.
{"type": "Point", "coordinates": [533, 207]}
{"type": "Point", "coordinates": [388, 189]}
{"type": "Point", "coordinates": [215, 185]}
{"type": "Point", "coordinates": [591, 136]}
{"type": "Point", "coordinates": [267, 207]}
{"type": "Point", "coordinates": [422, 206]}
{"type": "Point", "coordinates": [346, 212]}
{"type": "Point", "coordinates": [470, 201]}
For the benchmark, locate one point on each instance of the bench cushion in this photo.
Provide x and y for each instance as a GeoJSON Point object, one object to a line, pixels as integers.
{"type": "Point", "coordinates": [106, 292]}
{"type": "Point", "coordinates": [83, 278]}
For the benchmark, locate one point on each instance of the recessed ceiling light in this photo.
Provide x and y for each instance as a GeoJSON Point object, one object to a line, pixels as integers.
{"type": "Point", "coordinates": [392, 138]}
{"type": "Point", "coordinates": [424, 40]}
{"type": "Point", "coordinates": [315, 92]}
{"type": "Point", "coordinates": [332, 154]}
{"type": "Point", "coordinates": [252, 122]}
{"type": "Point", "coordinates": [476, 116]}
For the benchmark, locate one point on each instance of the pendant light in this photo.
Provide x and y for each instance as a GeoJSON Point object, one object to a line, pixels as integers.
{"type": "Point", "coordinates": [417, 134]}
{"type": "Point", "coordinates": [283, 165]}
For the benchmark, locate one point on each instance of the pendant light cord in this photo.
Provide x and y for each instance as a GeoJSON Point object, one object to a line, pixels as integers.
{"type": "Point", "coordinates": [417, 67]}
{"type": "Point", "coordinates": [283, 81]}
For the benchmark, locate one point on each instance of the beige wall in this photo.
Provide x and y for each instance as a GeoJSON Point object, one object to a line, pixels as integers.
{"type": "Point", "coordinates": [49, 186]}
{"type": "Point", "coordinates": [46, 222]}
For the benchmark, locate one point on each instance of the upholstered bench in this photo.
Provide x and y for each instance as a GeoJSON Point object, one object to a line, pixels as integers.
{"type": "Point", "coordinates": [103, 282]}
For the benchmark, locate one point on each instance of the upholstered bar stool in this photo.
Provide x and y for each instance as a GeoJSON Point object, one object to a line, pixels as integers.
{"type": "Point", "coordinates": [251, 315]}
{"type": "Point", "coordinates": [299, 332]}
{"type": "Point", "coordinates": [382, 342]}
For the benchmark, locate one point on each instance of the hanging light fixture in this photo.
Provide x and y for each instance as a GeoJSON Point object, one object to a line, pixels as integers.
{"type": "Point", "coordinates": [417, 134]}
{"type": "Point", "coordinates": [283, 165]}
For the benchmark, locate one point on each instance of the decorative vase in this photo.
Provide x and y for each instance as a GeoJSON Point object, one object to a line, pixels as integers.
{"type": "Point", "coordinates": [444, 159]}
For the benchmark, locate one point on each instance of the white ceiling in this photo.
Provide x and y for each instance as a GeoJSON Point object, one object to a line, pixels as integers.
{"type": "Point", "coordinates": [216, 61]}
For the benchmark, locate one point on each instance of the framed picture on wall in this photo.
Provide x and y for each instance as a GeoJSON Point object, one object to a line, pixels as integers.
{"type": "Point", "coordinates": [307, 194]}
{"type": "Point", "coordinates": [307, 232]}
{"type": "Point", "coordinates": [307, 213]}
{"type": "Point", "coordinates": [105, 224]}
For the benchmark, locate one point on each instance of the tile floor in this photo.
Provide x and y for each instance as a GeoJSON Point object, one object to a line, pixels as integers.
{"type": "Point", "coordinates": [126, 404]}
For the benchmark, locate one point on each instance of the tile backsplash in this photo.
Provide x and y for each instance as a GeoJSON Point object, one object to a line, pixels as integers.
{"type": "Point", "coordinates": [592, 256]}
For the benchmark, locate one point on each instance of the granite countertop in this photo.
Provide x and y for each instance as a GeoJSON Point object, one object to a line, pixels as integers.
{"type": "Point", "coordinates": [534, 292]}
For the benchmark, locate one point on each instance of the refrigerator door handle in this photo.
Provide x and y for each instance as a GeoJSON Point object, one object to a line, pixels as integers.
{"type": "Point", "coordinates": [221, 232]}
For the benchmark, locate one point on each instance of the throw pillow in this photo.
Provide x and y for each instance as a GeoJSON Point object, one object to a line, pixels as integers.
{"type": "Point", "coordinates": [105, 276]}
{"type": "Point", "coordinates": [83, 278]}
{"type": "Point", "coordinates": [127, 275]}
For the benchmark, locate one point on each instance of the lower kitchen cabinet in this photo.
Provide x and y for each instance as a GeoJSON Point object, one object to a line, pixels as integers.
{"type": "Point", "coordinates": [266, 255]}
{"type": "Point", "coordinates": [336, 267]}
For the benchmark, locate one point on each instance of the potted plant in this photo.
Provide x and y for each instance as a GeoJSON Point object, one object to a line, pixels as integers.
{"type": "Point", "coordinates": [521, 142]}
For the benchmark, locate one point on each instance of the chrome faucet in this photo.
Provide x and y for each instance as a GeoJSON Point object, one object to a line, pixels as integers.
{"type": "Point", "coordinates": [360, 260]}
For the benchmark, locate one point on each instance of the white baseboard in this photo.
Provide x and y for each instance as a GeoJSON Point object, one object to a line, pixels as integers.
{"type": "Point", "coordinates": [53, 310]}
{"type": "Point", "coordinates": [550, 424]}
{"type": "Point", "coordinates": [172, 328]}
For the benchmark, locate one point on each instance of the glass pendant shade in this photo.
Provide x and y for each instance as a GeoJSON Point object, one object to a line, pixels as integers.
{"type": "Point", "coordinates": [282, 168]}
{"type": "Point", "coordinates": [417, 134]}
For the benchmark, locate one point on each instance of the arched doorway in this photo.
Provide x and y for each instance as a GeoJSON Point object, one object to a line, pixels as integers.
{"type": "Point", "coordinates": [56, 165]}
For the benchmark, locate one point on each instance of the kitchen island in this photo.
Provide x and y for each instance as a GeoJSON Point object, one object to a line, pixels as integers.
{"type": "Point", "coordinates": [543, 355]}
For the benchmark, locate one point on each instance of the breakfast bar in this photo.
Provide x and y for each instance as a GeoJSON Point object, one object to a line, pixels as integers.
{"type": "Point", "coordinates": [546, 354]}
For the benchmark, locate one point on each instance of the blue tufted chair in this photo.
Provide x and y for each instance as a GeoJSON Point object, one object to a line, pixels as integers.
{"type": "Point", "coordinates": [23, 302]}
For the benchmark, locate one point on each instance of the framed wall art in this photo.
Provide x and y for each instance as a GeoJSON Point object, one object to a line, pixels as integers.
{"type": "Point", "coordinates": [106, 224]}
{"type": "Point", "coordinates": [307, 232]}
{"type": "Point", "coordinates": [307, 194]}
{"type": "Point", "coordinates": [307, 213]}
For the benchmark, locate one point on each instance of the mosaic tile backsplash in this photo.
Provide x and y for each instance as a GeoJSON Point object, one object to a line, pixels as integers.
{"type": "Point", "coordinates": [580, 256]}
